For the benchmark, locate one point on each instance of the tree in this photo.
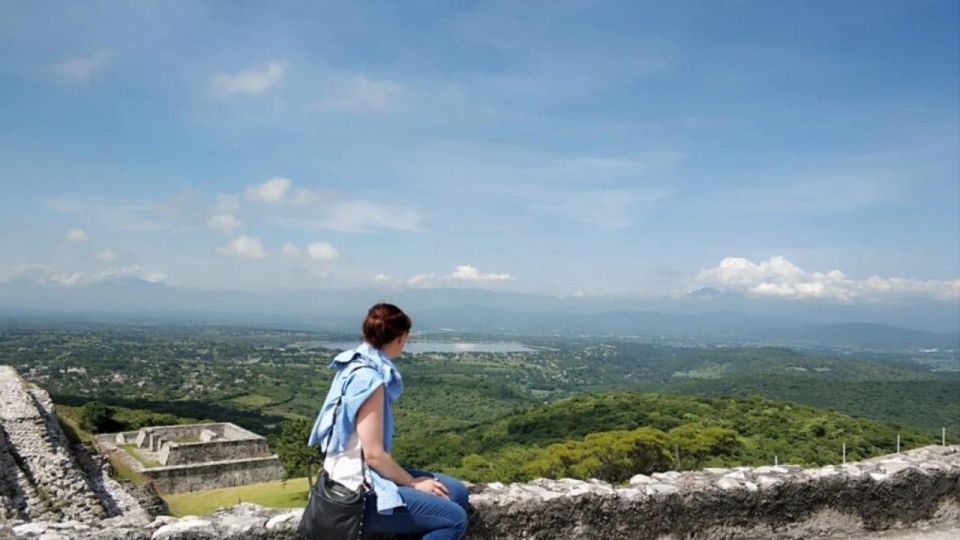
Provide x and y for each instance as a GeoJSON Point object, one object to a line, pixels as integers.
{"type": "Point", "coordinates": [96, 417]}
{"type": "Point", "coordinates": [291, 447]}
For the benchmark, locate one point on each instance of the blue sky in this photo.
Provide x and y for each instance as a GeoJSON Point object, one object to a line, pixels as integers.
{"type": "Point", "coordinates": [795, 150]}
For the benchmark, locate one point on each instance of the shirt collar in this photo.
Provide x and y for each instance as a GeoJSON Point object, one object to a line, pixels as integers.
{"type": "Point", "coordinates": [377, 359]}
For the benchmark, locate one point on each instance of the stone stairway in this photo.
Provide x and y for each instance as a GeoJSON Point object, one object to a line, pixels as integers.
{"type": "Point", "coordinates": [39, 477]}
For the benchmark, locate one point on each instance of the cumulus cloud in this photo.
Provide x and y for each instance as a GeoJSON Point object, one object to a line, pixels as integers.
{"type": "Point", "coordinates": [421, 280]}
{"type": "Point", "coordinates": [272, 191]}
{"type": "Point", "coordinates": [329, 210]}
{"type": "Point", "coordinates": [106, 255]}
{"type": "Point", "coordinates": [382, 278]}
{"type": "Point", "coordinates": [80, 69]}
{"type": "Point", "coordinates": [461, 273]}
{"type": "Point", "coordinates": [465, 272]}
{"type": "Point", "coordinates": [251, 82]}
{"type": "Point", "coordinates": [361, 94]}
{"type": "Point", "coordinates": [777, 277]}
{"type": "Point", "coordinates": [77, 235]}
{"type": "Point", "coordinates": [360, 216]}
{"type": "Point", "coordinates": [243, 247]}
{"type": "Point", "coordinates": [322, 251]}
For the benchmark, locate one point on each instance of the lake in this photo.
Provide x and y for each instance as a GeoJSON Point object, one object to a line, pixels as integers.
{"type": "Point", "coordinates": [417, 347]}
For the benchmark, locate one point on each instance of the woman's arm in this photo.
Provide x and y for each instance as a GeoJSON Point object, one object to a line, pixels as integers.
{"type": "Point", "coordinates": [370, 433]}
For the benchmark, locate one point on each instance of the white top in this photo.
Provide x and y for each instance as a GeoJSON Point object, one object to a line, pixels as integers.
{"type": "Point", "coordinates": [346, 467]}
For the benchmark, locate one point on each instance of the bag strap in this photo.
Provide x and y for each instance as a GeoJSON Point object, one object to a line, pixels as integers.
{"type": "Point", "coordinates": [336, 409]}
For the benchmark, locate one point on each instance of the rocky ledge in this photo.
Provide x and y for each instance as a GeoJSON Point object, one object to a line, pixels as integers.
{"type": "Point", "coordinates": [918, 488]}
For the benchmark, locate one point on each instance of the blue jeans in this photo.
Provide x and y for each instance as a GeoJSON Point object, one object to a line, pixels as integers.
{"type": "Point", "coordinates": [435, 517]}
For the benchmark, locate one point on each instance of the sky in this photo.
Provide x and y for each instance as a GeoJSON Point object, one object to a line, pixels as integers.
{"type": "Point", "coordinates": [800, 151]}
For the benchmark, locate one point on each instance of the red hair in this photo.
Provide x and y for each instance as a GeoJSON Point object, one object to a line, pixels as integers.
{"type": "Point", "coordinates": [385, 323]}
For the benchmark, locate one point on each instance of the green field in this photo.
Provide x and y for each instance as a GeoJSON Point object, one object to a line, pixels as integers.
{"type": "Point", "coordinates": [135, 452]}
{"type": "Point", "coordinates": [252, 400]}
{"type": "Point", "coordinates": [285, 494]}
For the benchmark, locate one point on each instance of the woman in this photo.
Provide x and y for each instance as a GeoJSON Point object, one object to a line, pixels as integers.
{"type": "Point", "coordinates": [403, 501]}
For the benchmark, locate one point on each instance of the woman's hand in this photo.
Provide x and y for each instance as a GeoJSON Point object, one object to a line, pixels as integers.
{"type": "Point", "coordinates": [430, 485]}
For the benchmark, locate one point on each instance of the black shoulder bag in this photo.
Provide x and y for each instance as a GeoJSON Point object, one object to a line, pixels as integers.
{"type": "Point", "coordinates": [334, 511]}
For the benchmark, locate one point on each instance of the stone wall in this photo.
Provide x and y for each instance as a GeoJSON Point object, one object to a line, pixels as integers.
{"type": "Point", "coordinates": [213, 475]}
{"type": "Point", "coordinates": [43, 476]}
{"type": "Point", "coordinates": [217, 450]}
{"type": "Point", "coordinates": [914, 488]}
{"type": "Point", "coordinates": [908, 491]}
{"type": "Point", "coordinates": [231, 456]}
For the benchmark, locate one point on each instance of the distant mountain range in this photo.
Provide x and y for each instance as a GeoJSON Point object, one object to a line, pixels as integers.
{"type": "Point", "coordinates": [699, 315]}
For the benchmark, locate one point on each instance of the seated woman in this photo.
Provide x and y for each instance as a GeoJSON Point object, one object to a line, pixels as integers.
{"type": "Point", "coordinates": [403, 500]}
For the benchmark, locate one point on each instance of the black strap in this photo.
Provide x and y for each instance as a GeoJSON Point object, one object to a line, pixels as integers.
{"type": "Point", "coordinates": [336, 409]}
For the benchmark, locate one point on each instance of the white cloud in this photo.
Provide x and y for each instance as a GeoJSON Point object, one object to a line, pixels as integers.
{"type": "Point", "coordinates": [272, 191]}
{"type": "Point", "coordinates": [354, 216]}
{"type": "Point", "coordinates": [421, 280]}
{"type": "Point", "coordinates": [40, 273]}
{"type": "Point", "coordinates": [80, 69]}
{"type": "Point", "coordinates": [465, 272]}
{"type": "Point", "coordinates": [290, 250]}
{"type": "Point", "coordinates": [361, 94]}
{"type": "Point", "coordinates": [134, 271]}
{"type": "Point", "coordinates": [382, 278]}
{"type": "Point", "coordinates": [322, 251]}
{"type": "Point", "coordinates": [226, 203]}
{"type": "Point", "coordinates": [777, 277]}
{"type": "Point", "coordinates": [77, 235]}
{"type": "Point", "coordinates": [251, 82]}
{"type": "Point", "coordinates": [461, 273]}
{"type": "Point", "coordinates": [328, 210]}
{"type": "Point", "coordinates": [29, 271]}
{"type": "Point", "coordinates": [243, 247]}
{"type": "Point", "coordinates": [225, 222]}
{"type": "Point", "coordinates": [106, 255]}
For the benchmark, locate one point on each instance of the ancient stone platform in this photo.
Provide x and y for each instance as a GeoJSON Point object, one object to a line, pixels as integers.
{"type": "Point", "coordinates": [195, 457]}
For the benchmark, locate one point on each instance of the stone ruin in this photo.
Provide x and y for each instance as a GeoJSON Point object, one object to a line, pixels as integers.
{"type": "Point", "coordinates": [49, 493]}
{"type": "Point", "coordinates": [45, 477]}
{"type": "Point", "coordinates": [195, 457]}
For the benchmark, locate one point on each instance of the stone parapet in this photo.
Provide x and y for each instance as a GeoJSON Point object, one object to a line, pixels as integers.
{"type": "Point", "coordinates": [909, 491]}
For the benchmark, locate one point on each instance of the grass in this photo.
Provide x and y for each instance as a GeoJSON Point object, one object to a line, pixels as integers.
{"type": "Point", "coordinates": [121, 471]}
{"type": "Point", "coordinates": [282, 494]}
{"type": "Point", "coordinates": [252, 400]}
{"type": "Point", "coordinates": [71, 427]}
{"type": "Point", "coordinates": [70, 422]}
{"type": "Point", "coordinates": [133, 451]}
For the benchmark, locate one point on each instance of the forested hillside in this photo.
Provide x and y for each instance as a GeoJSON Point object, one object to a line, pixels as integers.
{"type": "Point", "coordinates": [614, 435]}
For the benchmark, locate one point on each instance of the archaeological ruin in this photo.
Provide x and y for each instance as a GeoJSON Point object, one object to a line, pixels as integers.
{"type": "Point", "coordinates": [195, 457]}
{"type": "Point", "coordinates": [43, 476]}
{"type": "Point", "coordinates": [53, 490]}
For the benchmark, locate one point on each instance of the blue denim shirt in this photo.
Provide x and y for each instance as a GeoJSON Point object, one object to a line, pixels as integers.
{"type": "Point", "coordinates": [357, 385]}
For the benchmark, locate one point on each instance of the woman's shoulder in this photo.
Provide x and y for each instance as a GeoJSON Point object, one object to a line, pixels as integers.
{"type": "Point", "coordinates": [361, 379]}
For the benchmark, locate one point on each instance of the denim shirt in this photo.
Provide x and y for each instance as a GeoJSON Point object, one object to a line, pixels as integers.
{"type": "Point", "coordinates": [357, 385]}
